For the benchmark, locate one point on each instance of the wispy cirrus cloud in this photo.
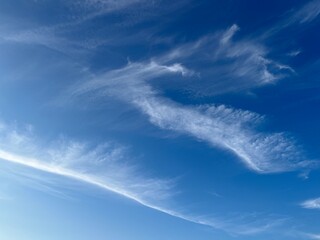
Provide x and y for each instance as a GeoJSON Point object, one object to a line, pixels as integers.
{"type": "Point", "coordinates": [251, 59]}
{"type": "Point", "coordinates": [105, 167]}
{"type": "Point", "coordinates": [242, 64]}
{"type": "Point", "coordinates": [218, 125]}
{"type": "Point", "coordinates": [230, 65]}
{"type": "Point", "coordinates": [146, 195]}
{"type": "Point", "coordinates": [311, 204]}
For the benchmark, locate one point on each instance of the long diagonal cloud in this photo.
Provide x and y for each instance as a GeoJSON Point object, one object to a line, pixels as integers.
{"type": "Point", "coordinates": [74, 161]}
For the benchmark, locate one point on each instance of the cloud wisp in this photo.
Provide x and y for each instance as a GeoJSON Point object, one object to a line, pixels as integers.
{"type": "Point", "coordinates": [311, 204]}
{"type": "Point", "coordinates": [218, 125]}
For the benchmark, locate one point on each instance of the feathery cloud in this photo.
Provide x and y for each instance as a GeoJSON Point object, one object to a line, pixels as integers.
{"type": "Point", "coordinates": [220, 126]}
{"type": "Point", "coordinates": [103, 167]}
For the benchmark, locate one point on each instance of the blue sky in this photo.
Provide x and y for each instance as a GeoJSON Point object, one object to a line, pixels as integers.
{"type": "Point", "coordinates": [137, 119]}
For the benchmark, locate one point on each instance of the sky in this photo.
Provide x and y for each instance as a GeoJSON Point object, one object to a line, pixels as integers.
{"type": "Point", "coordinates": [169, 120]}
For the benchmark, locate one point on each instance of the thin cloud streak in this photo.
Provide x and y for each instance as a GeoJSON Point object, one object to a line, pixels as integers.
{"type": "Point", "coordinates": [54, 169]}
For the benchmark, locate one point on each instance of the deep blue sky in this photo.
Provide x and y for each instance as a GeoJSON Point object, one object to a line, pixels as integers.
{"type": "Point", "coordinates": [137, 119]}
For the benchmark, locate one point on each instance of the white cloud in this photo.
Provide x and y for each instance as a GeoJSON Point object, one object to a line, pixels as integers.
{"type": "Point", "coordinates": [220, 126]}
{"type": "Point", "coordinates": [145, 192]}
{"type": "Point", "coordinates": [311, 204]}
{"type": "Point", "coordinates": [114, 185]}
{"type": "Point", "coordinates": [231, 65]}
{"type": "Point", "coordinates": [104, 167]}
